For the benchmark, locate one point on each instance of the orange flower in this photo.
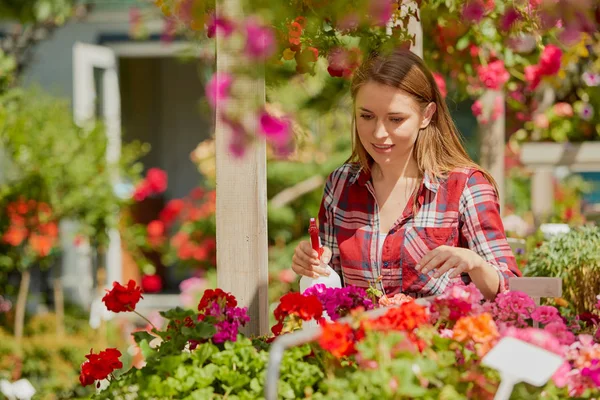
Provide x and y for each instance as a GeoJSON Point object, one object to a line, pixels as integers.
{"type": "Point", "coordinates": [15, 235]}
{"type": "Point", "coordinates": [41, 244]}
{"type": "Point", "coordinates": [338, 339]}
{"type": "Point", "coordinates": [407, 317]}
{"type": "Point", "coordinates": [481, 329]}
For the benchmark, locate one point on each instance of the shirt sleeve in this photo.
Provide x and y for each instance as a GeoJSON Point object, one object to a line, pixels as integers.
{"type": "Point", "coordinates": [327, 225]}
{"type": "Point", "coordinates": [482, 230]}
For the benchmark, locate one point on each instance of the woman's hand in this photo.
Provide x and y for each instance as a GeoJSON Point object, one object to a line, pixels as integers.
{"type": "Point", "coordinates": [446, 258]}
{"type": "Point", "coordinates": [306, 260]}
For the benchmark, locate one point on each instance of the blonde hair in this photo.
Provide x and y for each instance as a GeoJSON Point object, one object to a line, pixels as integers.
{"type": "Point", "coordinates": [438, 148]}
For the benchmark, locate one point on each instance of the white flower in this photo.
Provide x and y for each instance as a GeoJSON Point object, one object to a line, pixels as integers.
{"type": "Point", "coordinates": [19, 390]}
{"type": "Point", "coordinates": [590, 78]}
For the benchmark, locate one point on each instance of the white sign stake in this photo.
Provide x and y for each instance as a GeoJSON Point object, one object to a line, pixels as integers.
{"type": "Point", "coordinates": [518, 361]}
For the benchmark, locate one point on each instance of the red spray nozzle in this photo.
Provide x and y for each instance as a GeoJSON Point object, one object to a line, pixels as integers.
{"type": "Point", "coordinates": [313, 231]}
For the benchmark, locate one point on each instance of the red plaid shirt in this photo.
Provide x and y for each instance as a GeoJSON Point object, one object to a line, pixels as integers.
{"type": "Point", "coordinates": [461, 210]}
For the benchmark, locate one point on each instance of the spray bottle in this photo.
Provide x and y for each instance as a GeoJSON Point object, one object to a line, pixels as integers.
{"type": "Point", "coordinates": [333, 279]}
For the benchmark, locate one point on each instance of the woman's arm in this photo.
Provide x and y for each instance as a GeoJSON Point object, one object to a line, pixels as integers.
{"type": "Point", "coordinates": [327, 228]}
{"type": "Point", "coordinates": [482, 232]}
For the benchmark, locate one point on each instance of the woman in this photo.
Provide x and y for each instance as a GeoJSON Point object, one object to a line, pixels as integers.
{"type": "Point", "coordinates": [410, 212]}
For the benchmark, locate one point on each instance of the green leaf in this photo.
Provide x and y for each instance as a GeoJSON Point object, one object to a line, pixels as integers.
{"type": "Point", "coordinates": [142, 335]}
{"type": "Point", "coordinates": [177, 313]}
{"type": "Point", "coordinates": [147, 351]}
{"type": "Point", "coordinates": [202, 330]}
{"type": "Point", "coordinates": [463, 43]}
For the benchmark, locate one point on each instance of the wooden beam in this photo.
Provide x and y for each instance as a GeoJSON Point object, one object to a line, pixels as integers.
{"type": "Point", "coordinates": [242, 248]}
{"type": "Point", "coordinates": [492, 136]}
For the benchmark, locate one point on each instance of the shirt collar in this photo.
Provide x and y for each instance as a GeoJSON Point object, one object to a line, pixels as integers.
{"type": "Point", "coordinates": [362, 176]}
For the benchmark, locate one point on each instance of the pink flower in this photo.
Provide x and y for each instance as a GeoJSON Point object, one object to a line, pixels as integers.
{"type": "Point", "coordinates": [238, 143]}
{"type": "Point", "coordinates": [590, 78]}
{"type": "Point", "coordinates": [260, 41]}
{"type": "Point", "coordinates": [473, 11]}
{"type": "Point", "coordinates": [545, 314]}
{"type": "Point", "coordinates": [533, 76]}
{"type": "Point", "coordinates": [380, 11]}
{"type": "Point", "coordinates": [541, 121]}
{"type": "Point", "coordinates": [494, 75]}
{"type": "Point", "coordinates": [276, 130]}
{"type": "Point", "coordinates": [563, 110]}
{"type": "Point", "coordinates": [218, 88]}
{"type": "Point", "coordinates": [498, 108]}
{"type": "Point", "coordinates": [550, 59]}
{"type": "Point", "coordinates": [477, 108]}
{"type": "Point", "coordinates": [537, 337]}
{"type": "Point", "coordinates": [561, 376]}
{"type": "Point", "coordinates": [342, 62]}
{"type": "Point", "coordinates": [441, 84]}
{"type": "Point", "coordinates": [560, 332]}
{"type": "Point", "coordinates": [287, 275]}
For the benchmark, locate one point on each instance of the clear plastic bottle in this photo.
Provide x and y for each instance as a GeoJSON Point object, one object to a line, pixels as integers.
{"type": "Point", "coordinates": [331, 281]}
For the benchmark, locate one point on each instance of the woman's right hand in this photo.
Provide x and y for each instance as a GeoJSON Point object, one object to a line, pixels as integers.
{"type": "Point", "coordinates": [306, 260]}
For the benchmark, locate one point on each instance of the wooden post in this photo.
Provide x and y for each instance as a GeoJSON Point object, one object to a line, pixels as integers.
{"type": "Point", "coordinates": [415, 28]}
{"type": "Point", "coordinates": [242, 248]}
{"type": "Point", "coordinates": [542, 193]}
{"type": "Point", "coordinates": [492, 136]}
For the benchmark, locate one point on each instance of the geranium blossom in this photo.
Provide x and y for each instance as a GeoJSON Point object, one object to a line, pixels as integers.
{"type": "Point", "coordinates": [99, 366]}
{"type": "Point", "coordinates": [122, 298]}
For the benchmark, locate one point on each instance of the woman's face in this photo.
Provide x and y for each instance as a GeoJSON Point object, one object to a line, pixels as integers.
{"type": "Point", "coordinates": [388, 121]}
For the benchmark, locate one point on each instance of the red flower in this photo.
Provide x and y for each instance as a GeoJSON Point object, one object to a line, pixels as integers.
{"type": "Point", "coordinates": [228, 300]}
{"type": "Point", "coordinates": [157, 180]}
{"type": "Point", "coordinates": [339, 339]}
{"type": "Point", "coordinates": [151, 283]}
{"type": "Point", "coordinates": [122, 298]}
{"type": "Point", "coordinates": [142, 191]}
{"type": "Point", "coordinates": [171, 211]}
{"type": "Point", "coordinates": [306, 307]}
{"type": "Point", "coordinates": [550, 60]}
{"type": "Point", "coordinates": [441, 83]}
{"type": "Point", "coordinates": [99, 366]}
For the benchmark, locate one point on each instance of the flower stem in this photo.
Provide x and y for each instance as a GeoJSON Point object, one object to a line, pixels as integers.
{"type": "Point", "coordinates": [146, 319]}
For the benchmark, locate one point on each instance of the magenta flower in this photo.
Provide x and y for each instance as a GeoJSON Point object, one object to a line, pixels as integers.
{"type": "Point", "coordinates": [219, 24]}
{"type": "Point", "coordinates": [473, 11]}
{"type": "Point", "coordinates": [260, 41]}
{"type": "Point", "coordinates": [593, 372]}
{"type": "Point", "coordinates": [218, 88]}
{"type": "Point", "coordinates": [380, 11]}
{"type": "Point", "coordinates": [338, 302]}
{"type": "Point", "coordinates": [509, 18]}
{"type": "Point", "coordinates": [276, 130]}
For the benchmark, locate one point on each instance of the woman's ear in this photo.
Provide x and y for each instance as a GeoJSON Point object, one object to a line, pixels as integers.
{"type": "Point", "coordinates": [428, 114]}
